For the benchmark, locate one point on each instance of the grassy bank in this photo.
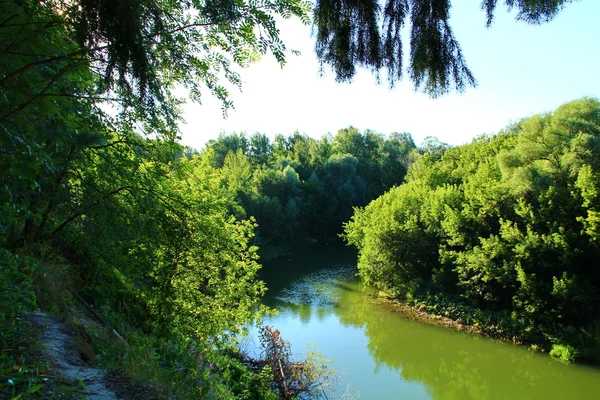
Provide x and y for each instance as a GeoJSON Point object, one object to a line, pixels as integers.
{"type": "Point", "coordinates": [139, 363]}
{"type": "Point", "coordinates": [132, 356]}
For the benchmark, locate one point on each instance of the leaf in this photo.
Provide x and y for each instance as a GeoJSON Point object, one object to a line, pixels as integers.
{"type": "Point", "coordinates": [34, 389]}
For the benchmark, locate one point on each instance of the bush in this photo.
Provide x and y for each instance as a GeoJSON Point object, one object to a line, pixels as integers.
{"type": "Point", "coordinates": [564, 352]}
{"type": "Point", "coordinates": [19, 375]}
{"type": "Point", "coordinates": [16, 287]}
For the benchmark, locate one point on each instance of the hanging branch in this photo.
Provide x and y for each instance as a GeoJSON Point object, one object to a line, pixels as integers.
{"type": "Point", "coordinates": [58, 75]}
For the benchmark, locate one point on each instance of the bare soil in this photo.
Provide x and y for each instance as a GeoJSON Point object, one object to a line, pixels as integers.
{"type": "Point", "coordinates": [65, 360]}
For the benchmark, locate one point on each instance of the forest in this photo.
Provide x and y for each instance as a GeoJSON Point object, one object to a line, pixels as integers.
{"type": "Point", "coordinates": [501, 233]}
{"type": "Point", "coordinates": [102, 208]}
{"type": "Point", "coordinates": [160, 240]}
{"type": "Point", "coordinates": [301, 189]}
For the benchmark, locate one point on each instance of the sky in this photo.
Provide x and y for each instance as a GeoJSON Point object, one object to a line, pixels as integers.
{"type": "Point", "coordinates": [521, 70]}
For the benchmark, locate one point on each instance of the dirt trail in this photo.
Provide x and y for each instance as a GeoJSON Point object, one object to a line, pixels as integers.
{"type": "Point", "coordinates": [61, 351]}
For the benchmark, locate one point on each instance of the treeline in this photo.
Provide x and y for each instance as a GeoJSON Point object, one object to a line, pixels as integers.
{"type": "Point", "coordinates": [503, 232]}
{"type": "Point", "coordinates": [299, 188]}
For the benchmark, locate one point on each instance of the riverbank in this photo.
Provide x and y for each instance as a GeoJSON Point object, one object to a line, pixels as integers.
{"type": "Point", "coordinates": [499, 326]}
{"type": "Point", "coordinates": [47, 355]}
{"type": "Point", "coordinates": [54, 344]}
{"type": "Point", "coordinates": [419, 312]}
{"type": "Point", "coordinates": [382, 354]}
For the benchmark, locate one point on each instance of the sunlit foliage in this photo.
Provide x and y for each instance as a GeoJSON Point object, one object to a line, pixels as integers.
{"type": "Point", "coordinates": [506, 223]}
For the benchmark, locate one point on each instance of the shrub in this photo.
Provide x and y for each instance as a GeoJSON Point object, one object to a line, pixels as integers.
{"type": "Point", "coordinates": [16, 289]}
{"type": "Point", "coordinates": [564, 352]}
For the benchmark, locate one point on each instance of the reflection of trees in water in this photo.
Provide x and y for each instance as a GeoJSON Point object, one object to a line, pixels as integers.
{"type": "Point", "coordinates": [313, 295]}
{"type": "Point", "coordinates": [305, 312]}
{"type": "Point", "coordinates": [452, 365]}
{"type": "Point", "coordinates": [460, 366]}
{"type": "Point", "coordinates": [305, 262]}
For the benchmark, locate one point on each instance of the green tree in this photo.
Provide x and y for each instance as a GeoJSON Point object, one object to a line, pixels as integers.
{"type": "Point", "coordinates": [237, 171]}
{"type": "Point", "coordinates": [344, 187]}
{"type": "Point", "coordinates": [432, 144]}
{"type": "Point", "coordinates": [260, 151]}
{"type": "Point", "coordinates": [225, 144]}
{"type": "Point", "coordinates": [507, 224]}
{"type": "Point", "coordinates": [140, 50]}
{"type": "Point", "coordinates": [382, 162]}
{"type": "Point", "coordinates": [140, 223]}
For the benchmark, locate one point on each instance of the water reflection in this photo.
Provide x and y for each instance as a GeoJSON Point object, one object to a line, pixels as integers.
{"type": "Point", "coordinates": [386, 356]}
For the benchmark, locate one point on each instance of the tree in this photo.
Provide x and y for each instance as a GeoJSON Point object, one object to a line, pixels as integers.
{"type": "Point", "coordinates": [226, 144]}
{"type": "Point", "coordinates": [368, 33]}
{"type": "Point", "coordinates": [260, 151]}
{"type": "Point", "coordinates": [138, 222]}
{"type": "Point", "coordinates": [382, 161]}
{"type": "Point", "coordinates": [237, 171]}
{"type": "Point", "coordinates": [137, 50]}
{"type": "Point", "coordinates": [507, 223]}
{"type": "Point", "coordinates": [432, 144]}
{"type": "Point", "coordinates": [344, 186]}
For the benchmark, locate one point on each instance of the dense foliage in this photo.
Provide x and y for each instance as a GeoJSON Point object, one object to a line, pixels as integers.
{"type": "Point", "coordinates": [299, 188]}
{"type": "Point", "coordinates": [136, 228]}
{"type": "Point", "coordinates": [100, 205]}
{"type": "Point", "coordinates": [506, 224]}
{"type": "Point", "coordinates": [128, 210]}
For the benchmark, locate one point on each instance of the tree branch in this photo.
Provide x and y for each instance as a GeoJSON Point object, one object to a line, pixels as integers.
{"type": "Point", "coordinates": [104, 146]}
{"type": "Point", "coordinates": [156, 193]}
{"type": "Point", "coordinates": [40, 94]}
{"type": "Point", "coordinates": [83, 97]}
{"type": "Point", "coordinates": [48, 61]}
{"type": "Point", "coordinates": [8, 19]}
{"type": "Point", "coordinates": [46, 23]}
{"type": "Point", "coordinates": [182, 28]}
{"type": "Point", "coordinates": [73, 217]}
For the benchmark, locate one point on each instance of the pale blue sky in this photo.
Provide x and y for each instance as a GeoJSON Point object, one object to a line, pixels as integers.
{"type": "Point", "coordinates": [521, 70]}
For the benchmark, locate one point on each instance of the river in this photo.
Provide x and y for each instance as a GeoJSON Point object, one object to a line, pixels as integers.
{"type": "Point", "coordinates": [381, 355]}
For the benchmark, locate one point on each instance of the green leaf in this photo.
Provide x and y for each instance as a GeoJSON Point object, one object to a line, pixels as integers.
{"type": "Point", "coordinates": [34, 389]}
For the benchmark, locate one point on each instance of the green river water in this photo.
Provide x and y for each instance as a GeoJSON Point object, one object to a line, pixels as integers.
{"type": "Point", "coordinates": [382, 355]}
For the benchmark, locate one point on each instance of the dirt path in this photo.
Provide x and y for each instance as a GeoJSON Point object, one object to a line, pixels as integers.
{"type": "Point", "coordinates": [61, 351]}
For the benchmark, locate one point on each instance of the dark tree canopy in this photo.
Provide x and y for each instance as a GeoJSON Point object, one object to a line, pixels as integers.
{"type": "Point", "coordinates": [368, 33]}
